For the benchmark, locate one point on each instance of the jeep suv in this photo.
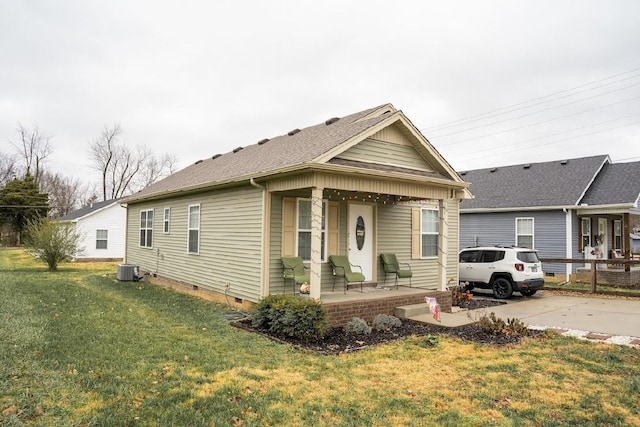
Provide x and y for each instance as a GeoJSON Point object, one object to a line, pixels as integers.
{"type": "Point", "coordinates": [502, 269]}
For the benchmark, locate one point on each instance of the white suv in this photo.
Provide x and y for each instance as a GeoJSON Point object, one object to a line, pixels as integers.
{"type": "Point", "coordinates": [503, 269]}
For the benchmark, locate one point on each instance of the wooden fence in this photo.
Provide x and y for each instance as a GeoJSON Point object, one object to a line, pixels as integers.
{"type": "Point", "coordinates": [623, 264]}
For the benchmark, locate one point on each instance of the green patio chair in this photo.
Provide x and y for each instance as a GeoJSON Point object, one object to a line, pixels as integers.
{"type": "Point", "coordinates": [341, 267]}
{"type": "Point", "coordinates": [293, 269]}
{"type": "Point", "coordinates": [392, 266]}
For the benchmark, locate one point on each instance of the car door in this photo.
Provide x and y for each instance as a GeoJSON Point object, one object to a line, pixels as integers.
{"type": "Point", "coordinates": [488, 264]}
{"type": "Point", "coordinates": [467, 263]}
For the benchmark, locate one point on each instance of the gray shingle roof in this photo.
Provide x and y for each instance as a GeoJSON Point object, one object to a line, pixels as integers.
{"type": "Point", "coordinates": [618, 183]}
{"type": "Point", "coordinates": [294, 148]}
{"type": "Point", "coordinates": [556, 183]}
{"type": "Point", "coordinates": [79, 213]}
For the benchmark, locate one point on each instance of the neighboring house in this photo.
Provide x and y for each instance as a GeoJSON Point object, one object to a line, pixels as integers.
{"type": "Point", "coordinates": [101, 227]}
{"type": "Point", "coordinates": [573, 208]}
{"type": "Point", "coordinates": [224, 223]}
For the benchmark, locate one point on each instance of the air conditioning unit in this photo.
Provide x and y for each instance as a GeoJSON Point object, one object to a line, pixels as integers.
{"type": "Point", "coordinates": [127, 272]}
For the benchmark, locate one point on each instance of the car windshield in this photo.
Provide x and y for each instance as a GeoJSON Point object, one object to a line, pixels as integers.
{"type": "Point", "coordinates": [528, 257]}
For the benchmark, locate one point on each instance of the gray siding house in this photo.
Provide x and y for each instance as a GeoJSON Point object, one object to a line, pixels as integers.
{"type": "Point", "coordinates": [223, 223]}
{"type": "Point", "coordinates": [573, 208]}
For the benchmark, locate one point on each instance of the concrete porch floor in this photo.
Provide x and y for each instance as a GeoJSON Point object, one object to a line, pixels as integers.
{"type": "Point", "coordinates": [371, 293]}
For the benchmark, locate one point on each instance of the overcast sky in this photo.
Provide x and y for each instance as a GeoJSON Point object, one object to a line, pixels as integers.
{"type": "Point", "coordinates": [489, 83]}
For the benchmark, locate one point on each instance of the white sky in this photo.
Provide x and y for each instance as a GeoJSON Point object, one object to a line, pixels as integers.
{"type": "Point", "coordinates": [196, 78]}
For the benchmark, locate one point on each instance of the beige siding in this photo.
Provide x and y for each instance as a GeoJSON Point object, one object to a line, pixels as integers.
{"type": "Point", "coordinates": [276, 282]}
{"type": "Point", "coordinates": [391, 134]}
{"type": "Point", "coordinates": [394, 235]}
{"type": "Point", "coordinates": [230, 241]}
{"type": "Point", "coordinates": [375, 151]}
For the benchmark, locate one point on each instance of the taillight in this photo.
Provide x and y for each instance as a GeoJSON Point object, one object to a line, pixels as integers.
{"type": "Point", "coordinates": [520, 267]}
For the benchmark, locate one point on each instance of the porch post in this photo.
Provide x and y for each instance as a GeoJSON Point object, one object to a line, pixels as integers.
{"type": "Point", "coordinates": [626, 239]}
{"type": "Point", "coordinates": [316, 243]}
{"type": "Point", "coordinates": [444, 244]}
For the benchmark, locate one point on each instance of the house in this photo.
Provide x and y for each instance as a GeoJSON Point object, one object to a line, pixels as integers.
{"type": "Point", "coordinates": [223, 223]}
{"type": "Point", "coordinates": [101, 227]}
{"type": "Point", "coordinates": [573, 208]}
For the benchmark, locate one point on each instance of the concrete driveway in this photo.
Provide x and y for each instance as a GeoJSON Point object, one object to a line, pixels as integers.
{"type": "Point", "coordinates": [585, 317]}
{"type": "Point", "coordinates": [599, 315]}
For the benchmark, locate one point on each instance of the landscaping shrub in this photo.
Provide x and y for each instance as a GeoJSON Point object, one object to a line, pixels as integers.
{"type": "Point", "coordinates": [289, 316]}
{"type": "Point", "coordinates": [496, 326]}
{"type": "Point", "coordinates": [385, 322]}
{"type": "Point", "coordinates": [357, 326]}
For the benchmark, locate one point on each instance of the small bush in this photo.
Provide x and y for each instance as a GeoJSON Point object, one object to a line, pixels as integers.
{"type": "Point", "coordinates": [289, 316]}
{"type": "Point", "coordinates": [496, 326]}
{"type": "Point", "coordinates": [357, 326]}
{"type": "Point", "coordinates": [460, 296]}
{"type": "Point", "coordinates": [384, 322]}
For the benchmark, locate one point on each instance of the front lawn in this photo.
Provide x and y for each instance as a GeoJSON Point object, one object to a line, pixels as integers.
{"type": "Point", "coordinates": [79, 348]}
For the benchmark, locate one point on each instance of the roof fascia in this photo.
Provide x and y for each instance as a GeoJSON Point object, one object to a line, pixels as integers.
{"type": "Point", "coordinates": [593, 178]}
{"type": "Point", "coordinates": [517, 209]}
{"type": "Point", "coordinates": [95, 211]}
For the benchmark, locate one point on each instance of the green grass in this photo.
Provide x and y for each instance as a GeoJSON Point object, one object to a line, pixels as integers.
{"type": "Point", "coordinates": [79, 348]}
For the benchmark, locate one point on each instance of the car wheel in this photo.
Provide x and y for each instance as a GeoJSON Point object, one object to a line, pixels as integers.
{"type": "Point", "coordinates": [501, 288]}
{"type": "Point", "coordinates": [528, 292]}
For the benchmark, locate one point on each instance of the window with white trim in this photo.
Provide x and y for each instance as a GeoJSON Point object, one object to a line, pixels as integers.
{"type": "Point", "coordinates": [617, 234]}
{"type": "Point", "coordinates": [193, 236]}
{"type": "Point", "coordinates": [429, 232]}
{"type": "Point", "coordinates": [586, 233]}
{"type": "Point", "coordinates": [146, 228]}
{"type": "Point", "coordinates": [102, 237]}
{"type": "Point", "coordinates": [304, 224]}
{"type": "Point", "coordinates": [524, 233]}
{"type": "Point", "coordinates": [165, 222]}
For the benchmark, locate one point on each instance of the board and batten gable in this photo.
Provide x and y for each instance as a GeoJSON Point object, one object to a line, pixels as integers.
{"type": "Point", "coordinates": [499, 228]}
{"type": "Point", "coordinates": [387, 147]}
{"type": "Point", "coordinates": [230, 241]}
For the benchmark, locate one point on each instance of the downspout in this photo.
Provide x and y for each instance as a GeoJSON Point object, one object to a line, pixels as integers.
{"type": "Point", "coordinates": [264, 259]}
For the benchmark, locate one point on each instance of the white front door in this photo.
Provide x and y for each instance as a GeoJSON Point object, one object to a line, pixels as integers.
{"type": "Point", "coordinates": [603, 238]}
{"type": "Point", "coordinates": [361, 237]}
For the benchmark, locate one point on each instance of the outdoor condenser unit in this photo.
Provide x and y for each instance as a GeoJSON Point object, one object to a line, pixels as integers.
{"type": "Point", "coordinates": [127, 272]}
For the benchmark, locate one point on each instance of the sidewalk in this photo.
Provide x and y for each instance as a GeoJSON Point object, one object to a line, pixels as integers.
{"type": "Point", "coordinates": [615, 321]}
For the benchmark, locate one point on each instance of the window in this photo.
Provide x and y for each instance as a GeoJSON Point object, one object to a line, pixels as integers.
{"type": "Point", "coordinates": [165, 224]}
{"type": "Point", "coordinates": [304, 229]}
{"type": "Point", "coordinates": [429, 232]}
{"type": "Point", "coordinates": [524, 232]}
{"type": "Point", "coordinates": [617, 234]}
{"type": "Point", "coordinates": [101, 239]}
{"type": "Point", "coordinates": [492, 256]}
{"type": "Point", "coordinates": [193, 238]}
{"type": "Point", "coordinates": [146, 228]}
{"type": "Point", "coordinates": [586, 233]}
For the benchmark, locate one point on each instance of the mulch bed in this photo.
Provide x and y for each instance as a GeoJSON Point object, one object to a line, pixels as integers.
{"type": "Point", "coordinates": [338, 341]}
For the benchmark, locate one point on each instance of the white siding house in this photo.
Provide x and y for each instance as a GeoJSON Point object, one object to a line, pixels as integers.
{"type": "Point", "coordinates": [102, 230]}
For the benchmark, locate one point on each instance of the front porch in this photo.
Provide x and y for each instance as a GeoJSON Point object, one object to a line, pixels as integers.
{"type": "Point", "coordinates": [342, 307]}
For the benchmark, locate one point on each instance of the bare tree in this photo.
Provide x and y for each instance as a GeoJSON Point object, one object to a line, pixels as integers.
{"type": "Point", "coordinates": [157, 168]}
{"type": "Point", "coordinates": [8, 169]}
{"type": "Point", "coordinates": [123, 169]}
{"type": "Point", "coordinates": [34, 147]}
{"type": "Point", "coordinates": [65, 193]}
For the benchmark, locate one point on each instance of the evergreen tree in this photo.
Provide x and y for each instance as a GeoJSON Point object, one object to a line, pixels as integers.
{"type": "Point", "coordinates": [21, 202]}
